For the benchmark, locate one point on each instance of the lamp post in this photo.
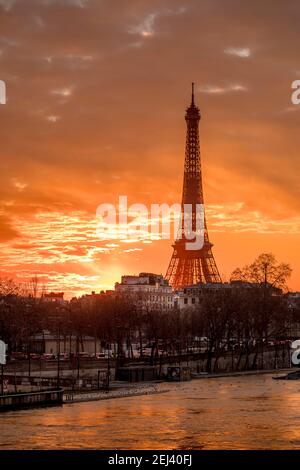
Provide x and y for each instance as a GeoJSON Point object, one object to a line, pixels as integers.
{"type": "Point", "coordinates": [108, 368]}
{"type": "Point", "coordinates": [2, 379]}
{"type": "Point", "coordinates": [58, 357]}
{"type": "Point", "coordinates": [2, 362]}
{"type": "Point", "coordinates": [57, 319]}
{"type": "Point", "coordinates": [28, 321]}
{"type": "Point", "coordinates": [78, 357]}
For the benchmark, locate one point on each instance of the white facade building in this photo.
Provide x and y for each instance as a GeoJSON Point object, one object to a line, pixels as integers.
{"type": "Point", "coordinates": [151, 291]}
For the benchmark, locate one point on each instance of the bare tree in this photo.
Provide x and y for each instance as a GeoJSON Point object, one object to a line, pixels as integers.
{"type": "Point", "coordinates": [265, 271]}
{"type": "Point", "coordinates": [8, 287]}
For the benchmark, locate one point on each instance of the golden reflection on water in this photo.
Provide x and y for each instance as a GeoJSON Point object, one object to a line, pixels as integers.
{"type": "Point", "coordinates": [253, 412]}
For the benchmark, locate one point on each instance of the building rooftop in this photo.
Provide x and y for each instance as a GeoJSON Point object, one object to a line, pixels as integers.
{"type": "Point", "coordinates": [143, 279]}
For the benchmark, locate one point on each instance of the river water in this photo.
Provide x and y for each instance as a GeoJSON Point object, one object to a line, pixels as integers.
{"type": "Point", "coordinates": [250, 412]}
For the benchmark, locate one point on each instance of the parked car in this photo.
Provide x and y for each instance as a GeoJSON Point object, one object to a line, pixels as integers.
{"type": "Point", "coordinates": [64, 357]}
{"type": "Point", "coordinates": [19, 356]}
{"type": "Point", "coordinates": [83, 355]}
{"type": "Point", "coordinates": [98, 355]}
{"type": "Point", "coordinates": [147, 351]}
{"type": "Point", "coordinates": [48, 357]}
{"type": "Point", "coordinates": [35, 356]}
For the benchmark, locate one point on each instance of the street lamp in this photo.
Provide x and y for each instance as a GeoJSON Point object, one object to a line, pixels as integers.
{"type": "Point", "coordinates": [2, 362]}
{"type": "Point", "coordinates": [108, 368]}
{"type": "Point", "coordinates": [58, 319]}
{"type": "Point", "coordinates": [58, 357]}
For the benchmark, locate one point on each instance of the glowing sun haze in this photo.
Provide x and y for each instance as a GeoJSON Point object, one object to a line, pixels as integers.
{"type": "Point", "coordinates": [96, 95]}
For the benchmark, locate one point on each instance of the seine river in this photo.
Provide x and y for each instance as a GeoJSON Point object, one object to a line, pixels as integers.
{"type": "Point", "coordinates": [253, 412]}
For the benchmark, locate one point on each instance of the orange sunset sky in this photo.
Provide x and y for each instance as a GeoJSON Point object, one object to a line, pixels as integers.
{"type": "Point", "coordinates": [96, 95]}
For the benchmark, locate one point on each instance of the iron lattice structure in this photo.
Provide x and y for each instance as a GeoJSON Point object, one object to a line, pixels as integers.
{"type": "Point", "coordinates": [187, 266]}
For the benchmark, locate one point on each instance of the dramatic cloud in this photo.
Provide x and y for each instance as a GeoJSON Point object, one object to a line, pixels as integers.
{"type": "Point", "coordinates": [52, 118]}
{"type": "Point", "coordinates": [215, 89]}
{"type": "Point", "coordinates": [242, 52]}
{"type": "Point", "coordinates": [65, 92]}
{"type": "Point", "coordinates": [96, 96]}
{"type": "Point", "coordinates": [7, 4]}
{"type": "Point", "coordinates": [145, 28]}
{"type": "Point", "coordinates": [19, 185]}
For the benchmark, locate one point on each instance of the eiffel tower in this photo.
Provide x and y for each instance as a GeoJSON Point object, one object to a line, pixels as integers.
{"type": "Point", "coordinates": [192, 266]}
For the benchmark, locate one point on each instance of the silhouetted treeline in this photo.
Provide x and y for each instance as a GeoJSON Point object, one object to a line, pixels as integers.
{"type": "Point", "coordinates": [254, 315]}
{"type": "Point", "coordinates": [228, 318]}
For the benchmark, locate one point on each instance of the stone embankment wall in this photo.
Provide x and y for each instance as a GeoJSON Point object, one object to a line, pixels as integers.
{"type": "Point", "coordinates": [29, 400]}
{"type": "Point", "coordinates": [271, 358]}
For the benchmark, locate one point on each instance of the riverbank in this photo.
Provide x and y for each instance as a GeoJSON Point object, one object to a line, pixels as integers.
{"type": "Point", "coordinates": [149, 388]}
{"type": "Point", "coordinates": [41, 398]}
{"type": "Point", "coordinates": [127, 390]}
{"type": "Point", "coordinates": [240, 373]}
{"type": "Point", "coordinates": [133, 391]}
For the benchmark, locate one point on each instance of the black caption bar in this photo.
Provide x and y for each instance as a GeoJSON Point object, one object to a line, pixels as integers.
{"type": "Point", "coordinates": [145, 459]}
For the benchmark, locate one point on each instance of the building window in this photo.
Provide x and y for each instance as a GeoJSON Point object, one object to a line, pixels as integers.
{"type": "Point", "coordinates": [193, 300]}
{"type": "Point", "coordinates": [185, 300]}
